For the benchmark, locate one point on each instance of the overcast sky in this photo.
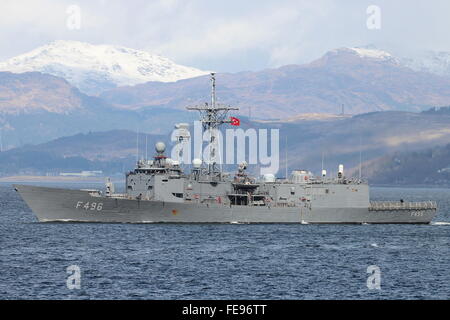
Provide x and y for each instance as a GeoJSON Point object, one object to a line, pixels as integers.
{"type": "Point", "coordinates": [231, 35]}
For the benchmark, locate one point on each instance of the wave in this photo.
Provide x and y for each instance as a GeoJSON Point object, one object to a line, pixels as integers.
{"type": "Point", "coordinates": [440, 223]}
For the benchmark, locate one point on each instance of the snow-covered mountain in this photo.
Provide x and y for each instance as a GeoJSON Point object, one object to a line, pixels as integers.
{"type": "Point", "coordinates": [94, 68]}
{"type": "Point", "coordinates": [363, 80]}
{"type": "Point", "coordinates": [371, 52]}
{"type": "Point", "coordinates": [436, 62]}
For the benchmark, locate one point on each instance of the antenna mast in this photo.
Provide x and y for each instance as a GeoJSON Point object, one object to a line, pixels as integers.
{"type": "Point", "coordinates": [137, 145]}
{"type": "Point", "coordinates": [212, 117]}
{"type": "Point", "coordinates": [322, 160]}
{"type": "Point", "coordinates": [360, 157]}
{"type": "Point", "coordinates": [285, 147]}
{"type": "Point", "coordinates": [213, 90]}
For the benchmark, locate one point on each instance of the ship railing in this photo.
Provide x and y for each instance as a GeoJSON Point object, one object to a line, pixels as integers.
{"type": "Point", "coordinates": [118, 195]}
{"type": "Point", "coordinates": [321, 180]}
{"type": "Point", "coordinates": [402, 205]}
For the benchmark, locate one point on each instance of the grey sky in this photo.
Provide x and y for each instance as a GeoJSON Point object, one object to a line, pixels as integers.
{"type": "Point", "coordinates": [232, 35]}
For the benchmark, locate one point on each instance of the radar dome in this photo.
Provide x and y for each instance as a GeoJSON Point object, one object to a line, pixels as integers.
{"type": "Point", "coordinates": [197, 163]}
{"type": "Point", "coordinates": [269, 177]}
{"type": "Point", "coordinates": [160, 147]}
{"type": "Point", "coordinates": [244, 164]}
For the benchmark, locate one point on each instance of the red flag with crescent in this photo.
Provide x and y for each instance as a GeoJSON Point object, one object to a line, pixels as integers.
{"type": "Point", "coordinates": [235, 121]}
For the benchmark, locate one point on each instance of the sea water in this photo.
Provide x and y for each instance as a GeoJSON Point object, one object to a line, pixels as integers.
{"type": "Point", "coordinates": [224, 261]}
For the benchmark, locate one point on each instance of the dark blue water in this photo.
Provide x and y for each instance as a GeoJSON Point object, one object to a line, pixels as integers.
{"type": "Point", "coordinates": [130, 261]}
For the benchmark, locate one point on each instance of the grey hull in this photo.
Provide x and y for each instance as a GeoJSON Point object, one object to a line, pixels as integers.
{"type": "Point", "coordinates": [54, 204]}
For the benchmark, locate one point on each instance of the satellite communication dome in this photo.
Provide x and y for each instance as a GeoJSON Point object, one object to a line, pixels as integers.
{"type": "Point", "coordinates": [182, 126]}
{"type": "Point", "coordinates": [269, 177]}
{"type": "Point", "coordinates": [160, 147]}
{"type": "Point", "coordinates": [197, 163]}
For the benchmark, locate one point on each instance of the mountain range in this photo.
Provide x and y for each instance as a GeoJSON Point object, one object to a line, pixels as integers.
{"type": "Point", "coordinates": [435, 62]}
{"type": "Point", "coordinates": [367, 137]}
{"type": "Point", "coordinates": [94, 68]}
{"type": "Point", "coordinates": [36, 107]}
{"type": "Point", "coordinates": [111, 152]}
{"type": "Point", "coordinates": [357, 80]}
{"type": "Point", "coordinates": [31, 92]}
{"type": "Point", "coordinates": [429, 166]}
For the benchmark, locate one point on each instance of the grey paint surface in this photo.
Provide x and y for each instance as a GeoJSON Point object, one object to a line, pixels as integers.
{"type": "Point", "coordinates": [52, 204]}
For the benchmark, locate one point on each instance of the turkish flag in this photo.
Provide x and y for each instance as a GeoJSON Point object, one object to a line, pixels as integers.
{"type": "Point", "coordinates": [235, 121]}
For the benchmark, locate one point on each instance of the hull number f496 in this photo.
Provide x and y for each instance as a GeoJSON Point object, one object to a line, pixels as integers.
{"type": "Point", "coordinates": [93, 206]}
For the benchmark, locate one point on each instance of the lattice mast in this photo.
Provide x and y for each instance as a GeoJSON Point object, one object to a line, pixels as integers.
{"type": "Point", "coordinates": [212, 116]}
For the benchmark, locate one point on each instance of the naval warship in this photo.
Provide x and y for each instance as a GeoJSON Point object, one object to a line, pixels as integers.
{"type": "Point", "coordinates": [159, 191]}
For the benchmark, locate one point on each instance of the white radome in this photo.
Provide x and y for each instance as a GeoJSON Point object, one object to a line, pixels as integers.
{"type": "Point", "coordinates": [160, 147]}
{"type": "Point", "coordinates": [269, 177]}
{"type": "Point", "coordinates": [197, 163]}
